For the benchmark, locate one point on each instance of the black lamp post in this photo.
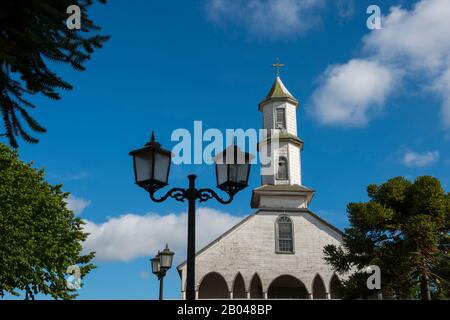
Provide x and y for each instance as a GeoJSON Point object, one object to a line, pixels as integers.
{"type": "Point", "coordinates": [151, 169]}
{"type": "Point", "coordinates": [160, 264]}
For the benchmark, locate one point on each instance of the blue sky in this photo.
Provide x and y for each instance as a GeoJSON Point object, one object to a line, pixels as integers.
{"type": "Point", "coordinates": [372, 106]}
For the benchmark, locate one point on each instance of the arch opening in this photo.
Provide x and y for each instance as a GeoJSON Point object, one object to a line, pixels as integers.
{"type": "Point", "coordinates": [318, 288]}
{"type": "Point", "coordinates": [239, 287]}
{"type": "Point", "coordinates": [287, 287]}
{"type": "Point", "coordinates": [335, 287]}
{"type": "Point", "coordinates": [213, 286]}
{"type": "Point", "coordinates": [256, 291]}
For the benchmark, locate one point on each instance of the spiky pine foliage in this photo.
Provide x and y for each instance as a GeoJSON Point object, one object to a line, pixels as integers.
{"type": "Point", "coordinates": [404, 228]}
{"type": "Point", "coordinates": [32, 34]}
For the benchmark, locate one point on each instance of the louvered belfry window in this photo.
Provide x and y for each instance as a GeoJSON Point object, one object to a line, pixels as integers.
{"type": "Point", "coordinates": [282, 173]}
{"type": "Point", "coordinates": [280, 119]}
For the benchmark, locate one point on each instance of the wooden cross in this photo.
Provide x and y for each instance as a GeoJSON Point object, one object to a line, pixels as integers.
{"type": "Point", "coordinates": [277, 65]}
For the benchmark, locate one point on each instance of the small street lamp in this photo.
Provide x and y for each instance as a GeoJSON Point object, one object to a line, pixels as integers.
{"type": "Point", "coordinates": [151, 170]}
{"type": "Point", "coordinates": [160, 264]}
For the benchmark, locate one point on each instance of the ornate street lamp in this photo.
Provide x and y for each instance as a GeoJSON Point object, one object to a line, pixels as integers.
{"type": "Point", "coordinates": [151, 170]}
{"type": "Point", "coordinates": [165, 258]}
{"type": "Point", "coordinates": [232, 169]}
{"type": "Point", "coordinates": [161, 263]}
{"type": "Point", "coordinates": [151, 165]}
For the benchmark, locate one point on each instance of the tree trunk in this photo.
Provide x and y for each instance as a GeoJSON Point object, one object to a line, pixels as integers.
{"type": "Point", "coordinates": [424, 289]}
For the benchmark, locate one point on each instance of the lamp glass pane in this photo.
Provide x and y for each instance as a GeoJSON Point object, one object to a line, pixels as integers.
{"type": "Point", "coordinates": [233, 172]}
{"type": "Point", "coordinates": [238, 173]}
{"type": "Point", "coordinates": [155, 265]}
{"type": "Point", "coordinates": [166, 260]}
{"type": "Point", "coordinates": [162, 164]}
{"type": "Point", "coordinates": [143, 162]}
{"type": "Point", "coordinates": [242, 173]}
{"type": "Point", "coordinates": [221, 173]}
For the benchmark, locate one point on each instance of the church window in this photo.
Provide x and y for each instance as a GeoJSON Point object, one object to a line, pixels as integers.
{"type": "Point", "coordinates": [282, 173]}
{"type": "Point", "coordinates": [280, 118]}
{"type": "Point", "coordinates": [284, 231]}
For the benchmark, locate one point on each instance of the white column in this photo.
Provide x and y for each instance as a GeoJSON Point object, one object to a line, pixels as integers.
{"type": "Point", "coordinates": [327, 296]}
{"type": "Point", "coordinates": [310, 296]}
{"type": "Point", "coordinates": [265, 295]}
{"type": "Point", "coordinates": [183, 295]}
{"type": "Point", "coordinates": [248, 294]}
{"type": "Point", "coordinates": [231, 294]}
{"type": "Point", "coordinates": [196, 294]}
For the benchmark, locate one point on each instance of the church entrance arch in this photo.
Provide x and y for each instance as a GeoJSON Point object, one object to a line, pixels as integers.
{"type": "Point", "coordinates": [287, 287]}
{"type": "Point", "coordinates": [256, 291]}
{"type": "Point", "coordinates": [318, 288]}
{"type": "Point", "coordinates": [335, 288]}
{"type": "Point", "coordinates": [213, 286]}
{"type": "Point", "coordinates": [239, 287]}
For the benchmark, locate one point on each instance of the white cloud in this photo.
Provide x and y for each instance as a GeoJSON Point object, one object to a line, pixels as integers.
{"type": "Point", "coordinates": [420, 160]}
{"type": "Point", "coordinates": [442, 86]}
{"type": "Point", "coordinates": [418, 37]}
{"type": "Point", "coordinates": [351, 93]}
{"type": "Point", "coordinates": [273, 18]}
{"type": "Point", "coordinates": [77, 205]}
{"type": "Point", "coordinates": [414, 44]}
{"type": "Point", "coordinates": [130, 236]}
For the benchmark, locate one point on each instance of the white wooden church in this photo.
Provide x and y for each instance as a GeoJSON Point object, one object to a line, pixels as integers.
{"type": "Point", "coordinates": [276, 251]}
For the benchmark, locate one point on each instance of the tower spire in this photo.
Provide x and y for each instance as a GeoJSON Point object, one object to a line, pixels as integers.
{"type": "Point", "coordinates": [281, 178]}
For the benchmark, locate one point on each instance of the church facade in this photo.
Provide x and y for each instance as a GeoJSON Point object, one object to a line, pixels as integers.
{"type": "Point", "coordinates": [277, 251]}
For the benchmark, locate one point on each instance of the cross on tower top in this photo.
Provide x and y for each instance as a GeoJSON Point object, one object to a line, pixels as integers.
{"type": "Point", "coordinates": [278, 65]}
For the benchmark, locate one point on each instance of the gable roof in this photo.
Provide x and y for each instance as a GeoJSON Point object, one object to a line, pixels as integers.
{"type": "Point", "coordinates": [305, 210]}
{"type": "Point", "coordinates": [219, 238]}
{"type": "Point", "coordinates": [337, 230]}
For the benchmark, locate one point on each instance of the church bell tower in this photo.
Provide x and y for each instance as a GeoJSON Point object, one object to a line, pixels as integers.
{"type": "Point", "coordinates": [281, 181]}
